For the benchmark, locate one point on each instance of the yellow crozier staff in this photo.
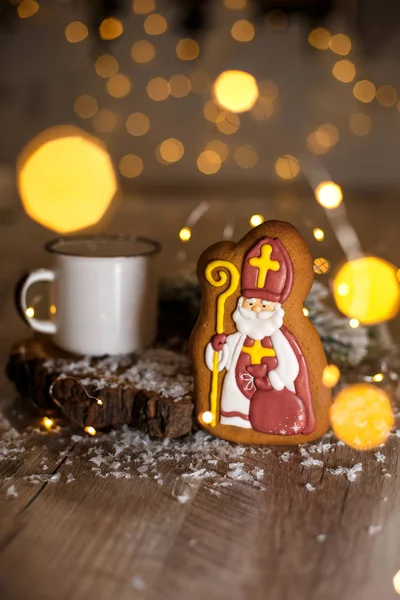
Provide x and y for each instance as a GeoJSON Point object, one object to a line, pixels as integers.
{"type": "Point", "coordinates": [218, 281]}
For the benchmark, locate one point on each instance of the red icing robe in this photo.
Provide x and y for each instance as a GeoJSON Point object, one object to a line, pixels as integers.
{"type": "Point", "coordinates": [276, 412]}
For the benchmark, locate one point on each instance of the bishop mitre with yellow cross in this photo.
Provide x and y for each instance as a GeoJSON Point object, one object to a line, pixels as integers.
{"type": "Point", "coordinates": [266, 386]}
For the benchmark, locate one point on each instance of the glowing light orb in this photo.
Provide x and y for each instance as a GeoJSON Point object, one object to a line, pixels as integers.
{"type": "Point", "coordinates": [306, 312]}
{"type": "Point", "coordinates": [287, 167]}
{"type": "Point", "coordinates": [367, 289]}
{"type": "Point", "coordinates": [130, 166]}
{"type": "Point", "coordinates": [47, 423]}
{"type": "Point", "coordinates": [386, 95]}
{"type": "Point", "coordinates": [360, 124]}
{"type": "Point", "coordinates": [110, 28]}
{"type": "Point", "coordinates": [185, 234]}
{"type": "Point", "coordinates": [30, 312]}
{"type": "Point", "coordinates": [318, 234]}
{"type": "Point", "coordinates": [243, 31]}
{"type": "Point", "coordinates": [378, 377]}
{"type": "Point", "coordinates": [76, 32]}
{"type": "Point", "coordinates": [256, 220]}
{"type": "Point", "coordinates": [321, 266]}
{"type": "Point", "coordinates": [329, 194]}
{"type": "Point", "coordinates": [330, 376]}
{"type": "Point", "coordinates": [354, 323]}
{"type": "Point", "coordinates": [171, 150]}
{"type": "Point", "coordinates": [66, 179]}
{"type": "Point", "coordinates": [90, 430]}
{"type": "Point", "coordinates": [220, 148]}
{"type": "Point", "coordinates": [344, 71]}
{"type": "Point", "coordinates": [155, 24]}
{"type": "Point", "coordinates": [340, 44]}
{"type": "Point", "coordinates": [27, 9]}
{"type": "Point", "coordinates": [245, 157]}
{"type": "Point", "coordinates": [319, 38]}
{"type": "Point", "coordinates": [137, 124]}
{"type": "Point", "coordinates": [362, 416]}
{"type": "Point", "coordinates": [236, 91]}
{"type": "Point", "coordinates": [118, 85]}
{"type": "Point", "coordinates": [396, 582]}
{"type": "Point", "coordinates": [206, 417]}
{"type": "Point", "coordinates": [187, 49]}
{"type": "Point", "coordinates": [364, 91]}
{"type": "Point", "coordinates": [208, 162]}
{"type": "Point", "coordinates": [106, 65]}
{"type": "Point", "coordinates": [142, 51]}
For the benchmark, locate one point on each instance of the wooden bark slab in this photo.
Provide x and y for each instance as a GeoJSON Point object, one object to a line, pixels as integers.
{"type": "Point", "coordinates": [151, 392]}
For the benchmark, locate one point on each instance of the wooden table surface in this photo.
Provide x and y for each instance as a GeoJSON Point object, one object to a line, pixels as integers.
{"type": "Point", "coordinates": [119, 516]}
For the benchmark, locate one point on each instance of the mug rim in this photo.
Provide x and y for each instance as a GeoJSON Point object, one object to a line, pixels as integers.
{"type": "Point", "coordinates": [156, 246]}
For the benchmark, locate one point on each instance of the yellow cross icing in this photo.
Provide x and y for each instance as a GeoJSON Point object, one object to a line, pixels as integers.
{"type": "Point", "coordinates": [257, 352]}
{"type": "Point", "coordinates": [264, 264]}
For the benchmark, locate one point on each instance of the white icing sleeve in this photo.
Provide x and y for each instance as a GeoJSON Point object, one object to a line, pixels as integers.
{"type": "Point", "coordinates": [223, 357]}
{"type": "Point", "coordinates": [288, 367]}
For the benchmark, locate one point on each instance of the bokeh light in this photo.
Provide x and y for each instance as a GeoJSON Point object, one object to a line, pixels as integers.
{"type": "Point", "coordinates": [137, 124]}
{"type": "Point", "coordinates": [142, 51]}
{"type": "Point", "coordinates": [236, 91]}
{"type": "Point", "coordinates": [220, 148]}
{"type": "Point", "coordinates": [364, 91]}
{"type": "Point", "coordinates": [171, 150]}
{"type": "Point", "coordinates": [318, 234]}
{"type": "Point", "coordinates": [104, 121]}
{"type": "Point", "coordinates": [228, 123]}
{"type": "Point", "coordinates": [340, 44]}
{"type": "Point", "coordinates": [344, 71]}
{"type": "Point", "coordinates": [187, 49]}
{"type": "Point", "coordinates": [354, 323]}
{"type": "Point", "coordinates": [330, 376]}
{"type": "Point", "coordinates": [360, 124]}
{"type": "Point", "coordinates": [314, 146]}
{"type": "Point", "coordinates": [287, 167]}
{"type": "Point", "coordinates": [256, 220]}
{"type": "Point", "coordinates": [367, 289]}
{"type": "Point", "coordinates": [306, 312]}
{"type": "Point", "coordinates": [386, 95]}
{"type": "Point", "coordinates": [396, 579]}
{"type": "Point", "coordinates": [209, 162]}
{"type": "Point", "coordinates": [243, 31]}
{"type": "Point", "coordinates": [27, 8]}
{"type": "Point", "coordinates": [185, 234]}
{"type": "Point", "coordinates": [245, 157]}
{"type": "Point", "coordinates": [378, 377]}
{"type": "Point", "coordinates": [110, 28]}
{"type": "Point", "coordinates": [130, 166]}
{"type": "Point", "coordinates": [329, 194]}
{"type": "Point", "coordinates": [76, 32]}
{"type": "Point", "coordinates": [106, 65]}
{"type": "Point", "coordinates": [85, 106]}
{"type": "Point", "coordinates": [155, 24]}
{"type": "Point", "coordinates": [327, 135]}
{"type": "Point", "coordinates": [143, 7]}
{"type": "Point", "coordinates": [207, 416]}
{"type": "Point", "coordinates": [66, 179]}
{"type": "Point", "coordinates": [158, 89]}
{"type": "Point", "coordinates": [179, 86]}
{"type": "Point", "coordinates": [321, 266]}
{"type": "Point", "coordinates": [362, 416]}
{"type": "Point", "coordinates": [118, 85]}
{"type": "Point", "coordinates": [319, 38]}
{"type": "Point", "coordinates": [212, 112]}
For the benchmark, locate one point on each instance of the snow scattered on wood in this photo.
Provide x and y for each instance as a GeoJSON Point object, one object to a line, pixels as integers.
{"type": "Point", "coordinates": [374, 529]}
{"type": "Point", "coordinates": [310, 487]}
{"type": "Point", "coordinates": [380, 457]}
{"type": "Point", "coordinates": [350, 472]}
{"type": "Point", "coordinates": [12, 491]}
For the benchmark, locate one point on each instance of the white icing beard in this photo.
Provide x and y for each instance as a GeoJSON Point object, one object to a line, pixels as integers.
{"type": "Point", "coordinates": [257, 325]}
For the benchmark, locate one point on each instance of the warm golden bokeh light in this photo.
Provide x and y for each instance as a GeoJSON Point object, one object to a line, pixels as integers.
{"type": "Point", "coordinates": [362, 416]}
{"type": "Point", "coordinates": [268, 89]}
{"type": "Point", "coordinates": [47, 423]}
{"type": "Point", "coordinates": [179, 86]}
{"type": "Point", "coordinates": [396, 578]}
{"type": "Point", "coordinates": [364, 91]}
{"type": "Point", "coordinates": [27, 9]}
{"type": "Point", "coordinates": [368, 290]}
{"type": "Point", "coordinates": [245, 157]}
{"type": "Point", "coordinates": [220, 148]}
{"type": "Point", "coordinates": [318, 234]}
{"type": "Point", "coordinates": [354, 323]}
{"type": "Point", "coordinates": [143, 51]}
{"type": "Point", "coordinates": [212, 112]}
{"type": "Point", "coordinates": [187, 49]}
{"type": "Point", "coordinates": [171, 150]}
{"type": "Point", "coordinates": [106, 65]}
{"type": "Point", "coordinates": [243, 31]}
{"type": "Point", "coordinates": [85, 106]}
{"type": "Point", "coordinates": [306, 312]}
{"type": "Point", "coordinates": [287, 167]}
{"type": "Point", "coordinates": [90, 430]}
{"type": "Point", "coordinates": [234, 5]}
{"type": "Point", "coordinates": [209, 162]}
{"type": "Point", "coordinates": [130, 166]}
{"type": "Point", "coordinates": [321, 266]}
{"type": "Point", "coordinates": [329, 194]}
{"type": "Point", "coordinates": [66, 179]}
{"type": "Point", "coordinates": [137, 124]}
{"type": "Point", "coordinates": [236, 91]}
{"type": "Point", "coordinates": [340, 44]}
{"type": "Point", "coordinates": [76, 32]}
{"type": "Point", "coordinates": [155, 24]}
{"type": "Point", "coordinates": [256, 220]}
{"type": "Point", "coordinates": [386, 95]}
{"type": "Point", "coordinates": [110, 28]}
{"type": "Point", "coordinates": [263, 109]}
{"type": "Point", "coordinates": [143, 7]}
{"type": "Point", "coordinates": [104, 121]}
{"type": "Point", "coordinates": [319, 38]}
{"type": "Point", "coordinates": [185, 234]}
{"type": "Point", "coordinates": [327, 135]}
{"type": "Point", "coordinates": [344, 71]}
{"type": "Point", "coordinates": [360, 124]}
{"type": "Point", "coordinates": [378, 377]}
{"type": "Point", "coordinates": [30, 312]}
{"type": "Point", "coordinates": [158, 89]}
{"type": "Point", "coordinates": [228, 123]}
{"type": "Point", "coordinates": [207, 416]}
{"type": "Point", "coordinates": [118, 85]}
{"type": "Point", "coordinates": [330, 376]}
{"type": "Point", "coordinates": [314, 146]}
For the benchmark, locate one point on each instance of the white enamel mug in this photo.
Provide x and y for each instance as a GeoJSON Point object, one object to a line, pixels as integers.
{"type": "Point", "coordinates": [103, 294]}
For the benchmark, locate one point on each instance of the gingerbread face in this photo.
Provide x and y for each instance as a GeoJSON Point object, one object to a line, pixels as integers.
{"type": "Point", "coordinates": [258, 360]}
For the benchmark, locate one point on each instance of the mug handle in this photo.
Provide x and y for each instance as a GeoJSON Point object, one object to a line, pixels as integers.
{"type": "Point", "coordinates": [45, 326]}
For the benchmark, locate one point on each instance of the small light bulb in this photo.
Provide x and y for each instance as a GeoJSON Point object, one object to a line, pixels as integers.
{"type": "Point", "coordinates": [329, 194]}
{"type": "Point", "coordinates": [90, 430]}
{"type": "Point", "coordinates": [318, 234]}
{"type": "Point", "coordinates": [185, 234]}
{"type": "Point", "coordinates": [207, 417]}
{"type": "Point", "coordinates": [99, 402]}
{"type": "Point", "coordinates": [48, 423]}
{"type": "Point", "coordinates": [354, 323]}
{"type": "Point", "coordinates": [306, 312]}
{"type": "Point", "coordinates": [378, 377]}
{"type": "Point", "coordinates": [256, 220]}
{"type": "Point", "coordinates": [30, 312]}
{"type": "Point", "coordinates": [53, 309]}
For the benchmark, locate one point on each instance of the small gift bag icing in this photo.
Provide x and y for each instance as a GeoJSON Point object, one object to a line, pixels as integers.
{"type": "Point", "coordinates": [258, 360]}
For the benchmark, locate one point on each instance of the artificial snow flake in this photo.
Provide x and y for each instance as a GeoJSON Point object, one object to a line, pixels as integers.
{"type": "Point", "coordinates": [285, 456]}
{"type": "Point", "coordinates": [351, 473]}
{"type": "Point", "coordinates": [380, 457]}
{"type": "Point", "coordinates": [12, 492]}
{"type": "Point", "coordinates": [70, 478]}
{"type": "Point", "coordinates": [310, 487]}
{"type": "Point", "coordinates": [373, 529]}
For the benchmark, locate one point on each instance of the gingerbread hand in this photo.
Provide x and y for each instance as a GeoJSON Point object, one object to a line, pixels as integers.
{"type": "Point", "coordinates": [217, 341]}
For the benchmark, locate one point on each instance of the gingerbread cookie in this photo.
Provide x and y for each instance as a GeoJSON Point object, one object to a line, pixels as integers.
{"type": "Point", "coordinates": [258, 361]}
